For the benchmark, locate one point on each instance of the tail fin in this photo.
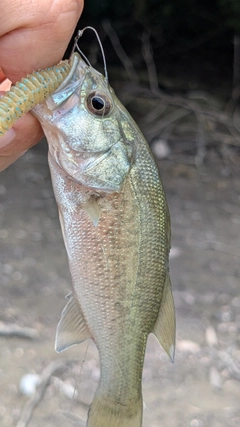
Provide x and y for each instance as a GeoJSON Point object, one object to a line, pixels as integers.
{"type": "Point", "coordinates": [104, 413]}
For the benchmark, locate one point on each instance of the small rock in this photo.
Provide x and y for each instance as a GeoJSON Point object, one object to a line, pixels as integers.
{"type": "Point", "coordinates": [215, 378]}
{"type": "Point", "coordinates": [189, 298]}
{"type": "Point", "coordinates": [188, 346]}
{"type": "Point", "coordinates": [28, 384]}
{"type": "Point", "coordinates": [211, 336]}
{"type": "Point", "coordinates": [68, 390]}
{"type": "Point", "coordinates": [175, 252]}
{"type": "Point", "coordinates": [65, 388]}
{"type": "Point", "coordinates": [160, 148]}
{"type": "Point", "coordinates": [196, 423]}
{"type": "Point", "coordinates": [226, 316]}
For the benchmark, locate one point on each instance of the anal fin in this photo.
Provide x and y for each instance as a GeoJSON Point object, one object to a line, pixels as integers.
{"type": "Point", "coordinates": [72, 328]}
{"type": "Point", "coordinates": [165, 326]}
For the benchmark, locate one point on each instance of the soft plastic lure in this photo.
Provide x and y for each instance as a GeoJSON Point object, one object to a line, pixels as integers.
{"type": "Point", "coordinates": [37, 87]}
{"type": "Point", "coordinates": [29, 92]}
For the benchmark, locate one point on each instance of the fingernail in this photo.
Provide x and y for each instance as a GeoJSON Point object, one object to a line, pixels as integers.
{"type": "Point", "coordinates": [7, 138]}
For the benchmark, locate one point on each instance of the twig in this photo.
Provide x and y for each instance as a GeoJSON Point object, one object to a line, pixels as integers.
{"type": "Point", "coordinates": [225, 139]}
{"type": "Point", "coordinates": [120, 51]}
{"type": "Point", "coordinates": [167, 132]}
{"type": "Point", "coordinates": [154, 113]}
{"type": "Point", "coordinates": [236, 67]}
{"type": "Point", "coordinates": [167, 120]}
{"type": "Point", "coordinates": [73, 418]}
{"type": "Point", "coordinates": [180, 102]}
{"type": "Point", "coordinates": [10, 330]}
{"type": "Point", "coordinates": [148, 57]}
{"type": "Point", "coordinates": [210, 119]}
{"type": "Point", "coordinates": [31, 404]}
{"type": "Point", "coordinates": [201, 142]}
{"type": "Point", "coordinates": [201, 95]}
{"type": "Point", "coordinates": [216, 117]}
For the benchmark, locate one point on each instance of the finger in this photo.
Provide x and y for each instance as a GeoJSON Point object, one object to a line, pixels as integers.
{"type": "Point", "coordinates": [25, 133]}
{"type": "Point", "coordinates": [7, 161]}
{"type": "Point", "coordinates": [38, 31]}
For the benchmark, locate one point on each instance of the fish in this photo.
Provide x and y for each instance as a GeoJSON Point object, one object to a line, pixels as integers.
{"type": "Point", "coordinates": [116, 229]}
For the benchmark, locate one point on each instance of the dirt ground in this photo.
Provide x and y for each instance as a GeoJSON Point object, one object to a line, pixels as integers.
{"type": "Point", "coordinates": [202, 387]}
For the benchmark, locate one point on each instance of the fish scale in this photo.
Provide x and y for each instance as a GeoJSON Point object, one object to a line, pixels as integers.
{"type": "Point", "coordinates": [116, 229]}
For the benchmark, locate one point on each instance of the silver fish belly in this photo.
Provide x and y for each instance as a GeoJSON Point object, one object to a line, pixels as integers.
{"type": "Point", "coordinates": [116, 230]}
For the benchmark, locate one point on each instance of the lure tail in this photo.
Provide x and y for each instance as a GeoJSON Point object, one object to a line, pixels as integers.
{"type": "Point", "coordinates": [105, 413]}
{"type": "Point", "coordinates": [29, 92]}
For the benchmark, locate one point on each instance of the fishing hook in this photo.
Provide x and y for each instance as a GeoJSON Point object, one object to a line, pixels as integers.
{"type": "Point", "coordinates": [75, 46]}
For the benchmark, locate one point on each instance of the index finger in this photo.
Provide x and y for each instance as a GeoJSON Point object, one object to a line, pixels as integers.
{"type": "Point", "coordinates": [35, 34]}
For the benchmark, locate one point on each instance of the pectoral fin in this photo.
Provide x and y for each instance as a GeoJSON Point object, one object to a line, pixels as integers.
{"type": "Point", "coordinates": [72, 328]}
{"type": "Point", "coordinates": [165, 327]}
{"type": "Point", "coordinates": [92, 209]}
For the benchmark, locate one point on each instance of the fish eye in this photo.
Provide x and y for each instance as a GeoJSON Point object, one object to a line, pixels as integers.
{"type": "Point", "coordinates": [98, 103]}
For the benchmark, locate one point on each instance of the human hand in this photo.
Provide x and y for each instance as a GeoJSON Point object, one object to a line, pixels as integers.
{"type": "Point", "coordinates": [34, 34]}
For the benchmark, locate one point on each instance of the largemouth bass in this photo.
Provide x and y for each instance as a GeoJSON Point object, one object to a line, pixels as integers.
{"type": "Point", "coordinates": [116, 228]}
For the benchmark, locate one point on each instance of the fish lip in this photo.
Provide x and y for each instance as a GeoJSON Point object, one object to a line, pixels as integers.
{"type": "Point", "coordinates": [75, 59]}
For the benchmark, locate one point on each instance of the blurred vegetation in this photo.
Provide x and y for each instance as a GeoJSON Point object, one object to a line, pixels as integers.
{"type": "Point", "coordinates": [192, 40]}
{"type": "Point", "coordinates": [180, 59]}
